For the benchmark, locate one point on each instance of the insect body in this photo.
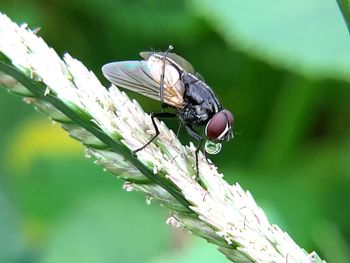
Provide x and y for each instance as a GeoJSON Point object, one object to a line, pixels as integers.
{"type": "Point", "coordinates": [172, 80]}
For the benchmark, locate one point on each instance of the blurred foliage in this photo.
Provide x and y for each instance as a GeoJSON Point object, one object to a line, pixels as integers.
{"type": "Point", "coordinates": [281, 68]}
{"type": "Point", "coordinates": [306, 36]}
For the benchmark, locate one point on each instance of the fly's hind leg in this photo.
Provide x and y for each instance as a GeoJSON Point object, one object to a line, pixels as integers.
{"type": "Point", "coordinates": [162, 76]}
{"type": "Point", "coordinates": [154, 115]}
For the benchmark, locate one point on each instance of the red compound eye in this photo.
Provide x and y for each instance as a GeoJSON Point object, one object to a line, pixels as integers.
{"type": "Point", "coordinates": [229, 116]}
{"type": "Point", "coordinates": [219, 124]}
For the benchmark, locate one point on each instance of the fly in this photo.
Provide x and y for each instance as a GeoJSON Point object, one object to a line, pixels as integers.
{"type": "Point", "coordinates": [172, 80]}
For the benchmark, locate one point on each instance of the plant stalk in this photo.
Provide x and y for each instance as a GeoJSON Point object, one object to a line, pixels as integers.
{"type": "Point", "coordinates": [111, 126]}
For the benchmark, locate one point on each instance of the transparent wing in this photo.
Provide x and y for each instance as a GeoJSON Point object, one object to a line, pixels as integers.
{"type": "Point", "coordinates": [183, 63]}
{"type": "Point", "coordinates": [132, 75]}
{"type": "Point", "coordinates": [143, 77]}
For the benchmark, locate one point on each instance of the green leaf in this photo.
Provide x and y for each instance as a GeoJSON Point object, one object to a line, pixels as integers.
{"type": "Point", "coordinates": [308, 37]}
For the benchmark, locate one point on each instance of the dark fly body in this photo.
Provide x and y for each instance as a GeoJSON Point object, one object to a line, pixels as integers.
{"type": "Point", "coordinates": [172, 80]}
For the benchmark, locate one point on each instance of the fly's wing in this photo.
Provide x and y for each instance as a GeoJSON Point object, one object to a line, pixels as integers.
{"type": "Point", "coordinates": [143, 77]}
{"type": "Point", "coordinates": [180, 61]}
{"type": "Point", "coordinates": [132, 75]}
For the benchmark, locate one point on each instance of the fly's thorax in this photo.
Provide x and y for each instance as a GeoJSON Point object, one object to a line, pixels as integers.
{"type": "Point", "coordinates": [193, 115]}
{"type": "Point", "coordinates": [198, 92]}
{"type": "Point", "coordinates": [201, 104]}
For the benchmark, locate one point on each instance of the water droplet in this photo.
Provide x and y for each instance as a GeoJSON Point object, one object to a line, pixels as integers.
{"type": "Point", "coordinates": [212, 147]}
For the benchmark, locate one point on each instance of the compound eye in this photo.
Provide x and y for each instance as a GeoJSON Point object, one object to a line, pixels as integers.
{"type": "Point", "coordinates": [218, 125]}
{"type": "Point", "coordinates": [229, 116]}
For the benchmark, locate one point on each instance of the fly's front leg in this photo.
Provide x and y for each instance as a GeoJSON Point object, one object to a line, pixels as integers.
{"type": "Point", "coordinates": [206, 158]}
{"type": "Point", "coordinates": [162, 76]}
{"type": "Point", "coordinates": [197, 151]}
{"type": "Point", "coordinates": [154, 115]}
{"type": "Point", "coordinates": [192, 132]}
{"type": "Point", "coordinates": [201, 140]}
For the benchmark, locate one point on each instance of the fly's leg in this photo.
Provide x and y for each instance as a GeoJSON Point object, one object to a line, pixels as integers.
{"type": "Point", "coordinates": [163, 105]}
{"type": "Point", "coordinates": [197, 151]}
{"type": "Point", "coordinates": [178, 129]}
{"type": "Point", "coordinates": [154, 115]}
{"type": "Point", "coordinates": [206, 158]}
{"type": "Point", "coordinates": [201, 140]}
{"type": "Point", "coordinates": [193, 132]}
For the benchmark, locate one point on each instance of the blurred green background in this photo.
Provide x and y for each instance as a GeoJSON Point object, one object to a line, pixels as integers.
{"type": "Point", "coordinates": [282, 68]}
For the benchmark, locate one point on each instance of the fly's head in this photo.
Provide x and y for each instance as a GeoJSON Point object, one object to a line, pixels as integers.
{"type": "Point", "coordinates": [220, 127]}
